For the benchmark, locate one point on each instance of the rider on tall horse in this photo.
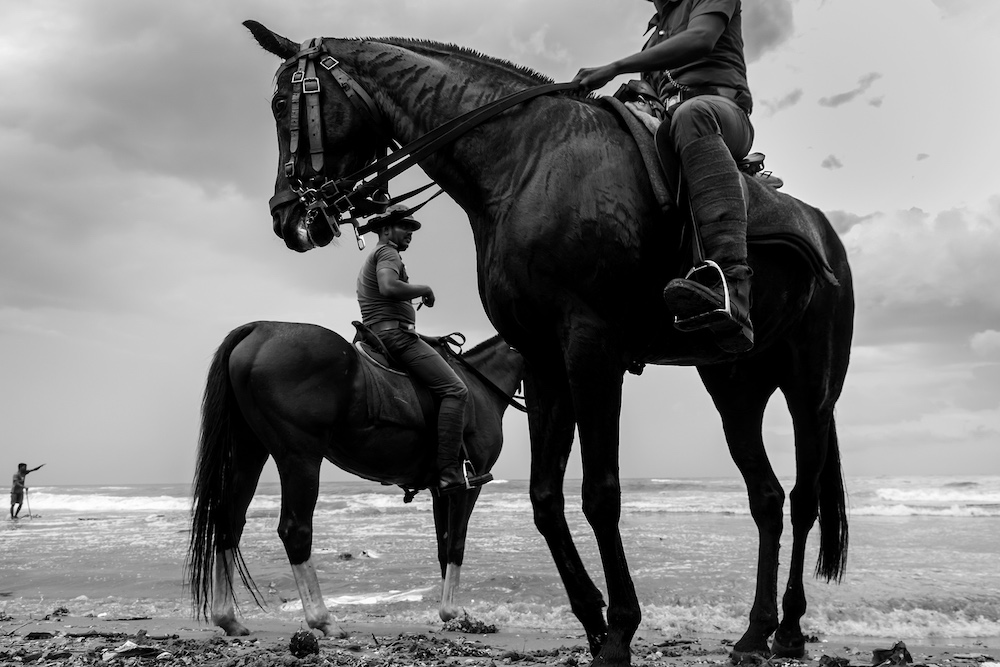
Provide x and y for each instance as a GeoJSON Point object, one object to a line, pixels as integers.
{"type": "Point", "coordinates": [384, 294]}
{"type": "Point", "coordinates": [694, 60]}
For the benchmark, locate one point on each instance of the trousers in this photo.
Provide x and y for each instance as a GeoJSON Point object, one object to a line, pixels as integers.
{"type": "Point", "coordinates": [431, 370]}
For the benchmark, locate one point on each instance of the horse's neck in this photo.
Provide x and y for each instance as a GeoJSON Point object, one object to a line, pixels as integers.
{"type": "Point", "coordinates": [421, 85]}
{"type": "Point", "coordinates": [500, 363]}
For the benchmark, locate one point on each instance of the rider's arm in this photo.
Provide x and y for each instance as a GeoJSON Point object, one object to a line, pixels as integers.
{"type": "Point", "coordinates": [697, 41]}
{"type": "Point", "coordinates": [389, 285]}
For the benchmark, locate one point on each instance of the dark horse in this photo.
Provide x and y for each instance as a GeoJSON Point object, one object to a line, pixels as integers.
{"type": "Point", "coordinates": [572, 255]}
{"type": "Point", "coordinates": [297, 392]}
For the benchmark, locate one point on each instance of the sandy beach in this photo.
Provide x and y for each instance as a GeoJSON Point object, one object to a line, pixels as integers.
{"type": "Point", "coordinates": [79, 640]}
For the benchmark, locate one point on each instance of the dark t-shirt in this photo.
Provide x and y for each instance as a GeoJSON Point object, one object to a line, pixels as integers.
{"type": "Point", "coordinates": [375, 307]}
{"type": "Point", "coordinates": [724, 66]}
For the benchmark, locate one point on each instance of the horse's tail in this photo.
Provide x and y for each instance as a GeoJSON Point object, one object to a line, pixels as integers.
{"type": "Point", "coordinates": [832, 560]}
{"type": "Point", "coordinates": [212, 523]}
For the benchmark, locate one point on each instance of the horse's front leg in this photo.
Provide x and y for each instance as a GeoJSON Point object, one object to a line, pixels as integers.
{"type": "Point", "coordinates": [299, 491]}
{"type": "Point", "coordinates": [597, 393]}
{"type": "Point", "coordinates": [451, 522]}
{"type": "Point", "coordinates": [551, 425]}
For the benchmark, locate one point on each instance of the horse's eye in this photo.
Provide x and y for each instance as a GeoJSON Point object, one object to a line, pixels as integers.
{"type": "Point", "coordinates": [278, 106]}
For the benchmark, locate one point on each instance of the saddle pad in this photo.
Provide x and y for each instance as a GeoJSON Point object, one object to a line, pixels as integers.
{"type": "Point", "coordinates": [769, 219]}
{"type": "Point", "coordinates": [392, 397]}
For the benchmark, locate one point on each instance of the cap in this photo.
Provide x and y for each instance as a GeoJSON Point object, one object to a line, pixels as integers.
{"type": "Point", "coordinates": [394, 215]}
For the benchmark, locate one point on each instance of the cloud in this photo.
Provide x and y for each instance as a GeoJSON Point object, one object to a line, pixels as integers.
{"type": "Point", "coordinates": [929, 277]}
{"type": "Point", "coordinates": [864, 83]}
{"type": "Point", "coordinates": [766, 26]}
{"type": "Point", "coordinates": [831, 162]}
{"type": "Point", "coordinates": [986, 343]}
{"type": "Point", "coordinates": [922, 156]}
{"type": "Point", "coordinates": [843, 221]}
{"type": "Point", "coordinates": [789, 100]}
{"type": "Point", "coordinates": [537, 44]}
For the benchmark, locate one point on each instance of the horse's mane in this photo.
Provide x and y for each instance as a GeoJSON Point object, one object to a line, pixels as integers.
{"type": "Point", "coordinates": [465, 53]}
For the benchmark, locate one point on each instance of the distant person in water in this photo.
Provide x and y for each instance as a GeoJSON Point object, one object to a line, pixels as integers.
{"type": "Point", "coordinates": [17, 489]}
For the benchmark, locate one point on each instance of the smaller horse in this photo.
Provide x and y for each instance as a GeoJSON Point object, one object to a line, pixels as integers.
{"type": "Point", "coordinates": [300, 393]}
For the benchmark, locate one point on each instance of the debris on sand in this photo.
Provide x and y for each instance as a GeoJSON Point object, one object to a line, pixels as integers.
{"type": "Point", "coordinates": [897, 655]}
{"type": "Point", "coordinates": [303, 643]}
{"type": "Point", "coordinates": [469, 625]}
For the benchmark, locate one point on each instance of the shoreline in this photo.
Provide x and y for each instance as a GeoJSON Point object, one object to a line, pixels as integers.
{"type": "Point", "coordinates": [84, 640]}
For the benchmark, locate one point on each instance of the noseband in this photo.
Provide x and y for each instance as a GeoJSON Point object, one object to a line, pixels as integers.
{"type": "Point", "coordinates": [352, 196]}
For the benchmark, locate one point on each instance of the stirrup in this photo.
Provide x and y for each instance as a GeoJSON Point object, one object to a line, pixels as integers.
{"type": "Point", "coordinates": [731, 334]}
{"type": "Point", "coordinates": [470, 480]}
{"type": "Point", "coordinates": [706, 319]}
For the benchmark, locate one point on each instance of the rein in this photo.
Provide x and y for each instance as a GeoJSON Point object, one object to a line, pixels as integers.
{"type": "Point", "coordinates": [351, 196]}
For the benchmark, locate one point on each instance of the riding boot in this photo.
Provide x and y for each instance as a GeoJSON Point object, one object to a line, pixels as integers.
{"type": "Point", "coordinates": [715, 295]}
{"type": "Point", "coordinates": [453, 475]}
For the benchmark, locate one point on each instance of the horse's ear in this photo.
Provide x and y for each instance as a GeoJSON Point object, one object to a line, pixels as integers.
{"type": "Point", "coordinates": [272, 42]}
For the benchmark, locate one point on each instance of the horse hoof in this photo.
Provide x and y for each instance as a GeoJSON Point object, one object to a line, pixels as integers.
{"type": "Point", "coordinates": [448, 613]}
{"type": "Point", "coordinates": [790, 647]}
{"type": "Point", "coordinates": [330, 630]}
{"type": "Point", "coordinates": [752, 657]}
{"type": "Point", "coordinates": [236, 629]}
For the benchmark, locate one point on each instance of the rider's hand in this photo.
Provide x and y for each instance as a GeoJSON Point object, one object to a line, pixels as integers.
{"type": "Point", "coordinates": [428, 299]}
{"type": "Point", "coordinates": [650, 121]}
{"type": "Point", "coordinates": [593, 78]}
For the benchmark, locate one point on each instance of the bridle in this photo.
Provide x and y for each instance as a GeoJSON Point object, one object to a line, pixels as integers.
{"type": "Point", "coordinates": [363, 193]}
{"type": "Point", "coordinates": [319, 192]}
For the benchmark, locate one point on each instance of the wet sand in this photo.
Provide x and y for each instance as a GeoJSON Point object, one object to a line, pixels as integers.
{"type": "Point", "coordinates": [81, 640]}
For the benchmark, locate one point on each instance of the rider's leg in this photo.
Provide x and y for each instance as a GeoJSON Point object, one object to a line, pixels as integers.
{"type": "Point", "coordinates": [707, 132]}
{"type": "Point", "coordinates": [433, 371]}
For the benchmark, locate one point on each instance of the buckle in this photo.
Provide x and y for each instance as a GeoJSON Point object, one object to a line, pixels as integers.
{"type": "Point", "coordinates": [357, 235]}
{"type": "Point", "coordinates": [342, 204]}
{"type": "Point", "coordinates": [328, 62]}
{"type": "Point", "coordinates": [310, 85]}
{"type": "Point", "coordinates": [297, 76]}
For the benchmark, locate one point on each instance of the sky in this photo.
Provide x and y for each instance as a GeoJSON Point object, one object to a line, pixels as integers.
{"type": "Point", "coordinates": [139, 154]}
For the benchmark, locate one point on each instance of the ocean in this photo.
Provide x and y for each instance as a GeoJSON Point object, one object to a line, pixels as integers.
{"type": "Point", "coordinates": [924, 559]}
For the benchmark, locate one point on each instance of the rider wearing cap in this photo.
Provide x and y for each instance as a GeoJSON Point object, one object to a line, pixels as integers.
{"type": "Point", "coordinates": [384, 294]}
{"type": "Point", "coordinates": [696, 54]}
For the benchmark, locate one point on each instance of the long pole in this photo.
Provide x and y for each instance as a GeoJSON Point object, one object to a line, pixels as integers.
{"type": "Point", "coordinates": [27, 502]}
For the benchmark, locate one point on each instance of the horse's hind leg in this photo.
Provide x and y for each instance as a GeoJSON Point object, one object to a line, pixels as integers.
{"type": "Point", "coordinates": [249, 458]}
{"type": "Point", "coordinates": [741, 393]}
{"type": "Point", "coordinates": [451, 522]}
{"type": "Point", "coordinates": [299, 490]}
{"type": "Point", "coordinates": [551, 425]}
{"type": "Point", "coordinates": [818, 490]}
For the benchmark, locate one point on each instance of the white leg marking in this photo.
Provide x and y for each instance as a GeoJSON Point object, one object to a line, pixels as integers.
{"type": "Point", "coordinates": [449, 585]}
{"type": "Point", "coordinates": [312, 599]}
{"type": "Point", "coordinates": [223, 612]}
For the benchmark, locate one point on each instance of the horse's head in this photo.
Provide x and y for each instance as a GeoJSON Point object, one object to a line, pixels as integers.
{"type": "Point", "coordinates": [328, 128]}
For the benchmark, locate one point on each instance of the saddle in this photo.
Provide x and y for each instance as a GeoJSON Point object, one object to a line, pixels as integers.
{"type": "Point", "coordinates": [766, 223]}
{"type": "Point", "coordinates": [393, 396]}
